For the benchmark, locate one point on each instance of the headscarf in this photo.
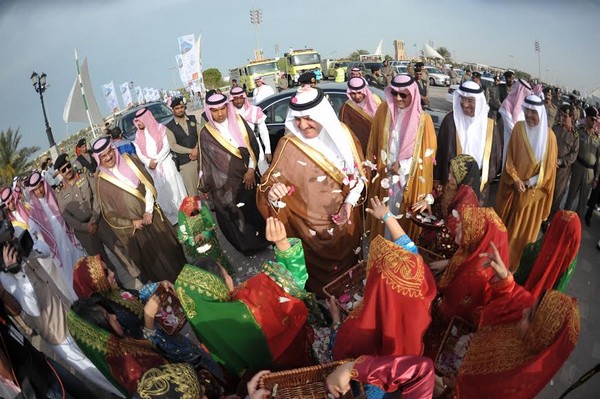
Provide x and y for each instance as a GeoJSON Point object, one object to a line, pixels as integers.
{"type": "Point", "coordinates": [537, 135]}
{"type": "Point", "coordinates": [471, 131]}
{"type": "Point", "coordinates": [559, 248]}
{"type": "Point", "coordinates": [395, 311]}
{"type": "Point", "coordinates": [368, 104]}
{"type": "Point", "coordinates": [217, 100]}
{"type": "Point", "coordinates": [464, 277]}
{"type": "Point", "coordinates": [311, 102]}
{"type": "Point", "coordinates": [169, 381]}
{"type": "Point", "coordinates": [513, 102]}
{"type": "Point", "coordinates": [39, 216]}
{"type": "Point", "coordinates": [155, 130]}
{"type": "Point", "coordinates": [251, 113]}
{"type": "Point", "coordinates": [104, 144]}
{"type": "Point", "coordinates": [411, 115]}
{"type": "Point", "coordinates": [190, 204]}
{"type": "Point", "coordinates": [12, 196]}
{"type": "Point", "coordinates": [466, 173]}
{"type": "Point", "coordinates": [490, 370]}
{"type": "Point", "coordinates": [89, 277]}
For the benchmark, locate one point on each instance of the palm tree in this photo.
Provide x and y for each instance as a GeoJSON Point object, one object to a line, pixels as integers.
{"type": "Point", "coordinates": [444, 52]}
{"type": "Point", "coordinates": [14, 159]}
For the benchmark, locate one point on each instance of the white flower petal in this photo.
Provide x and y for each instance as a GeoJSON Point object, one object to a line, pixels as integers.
{"type": "Point", "coordinates": [400, 216]}
{"type": "Point", "coordinates": [357, 250]}
{"type": "Point", "coordinates": [336, 191]}
{"type": "Point", "coordinates": [312, 232]}
{"type": "Point", "coordinates": [396, 179]}
{"type": "Point", "coordinates": [321, 178]}
{"type": "Point", "coordinates": [420, 160]}
{"type": "Point", "coordinates": [385, 199]}
{"type": "Point", "coordinates": [240, 204]}
{"type": "Point", "coordinates": [204, 248]}
{"type": "Point", "coordinates": [302, 163]}
{"type": "Point", "coordinates": [421, 179]}
{"type": "Point", "coordinates": [455, 213]}
{"type": "Point", "coordinates": [330, 231]}
{"type": "Point", "coordinates": [280, 204]}
{"type": "Point", "coordinates": [374, 178]}
{"type": "Point", "coordinates": [385, 183]}
{"type": "Point", "coordinates": [398, 205]}
{"type": "Point", "coordinates": [428, 152]}
{"type": "Point", "coordinates": [283, 299]}
{"type": "Point", "coordinates": [383, 156]}
{"type": "Point", "coordinates": [276, 174]}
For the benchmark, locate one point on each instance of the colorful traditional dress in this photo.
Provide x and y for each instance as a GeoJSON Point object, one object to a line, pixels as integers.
{"type": "Point", "coordinates": [550, 262]}
{"type": "Point", "coordinates": [123, 361]}
{"type": "Point", "coordinates": [90, 277]}
{"type": "Point", "coordinates": [195, 218]}
{"type": "Point", "coordinates": [464, 284]}
{"type": "Point", "coordinates": [261, 324]}
{"type": "Point", "coordinates": [452, 198]}
{"type": "Point", "coordinates": [499, 364]}
{"type": "Point", "coordinates": [395, 311]}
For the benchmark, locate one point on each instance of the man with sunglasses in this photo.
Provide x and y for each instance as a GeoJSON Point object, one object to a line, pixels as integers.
{"type": "Point", "coordinates": [586, 171]}
{"type": "Point", "coordinates": [81, 211]}
{"type": "Point", "coordinates": [402, 144]}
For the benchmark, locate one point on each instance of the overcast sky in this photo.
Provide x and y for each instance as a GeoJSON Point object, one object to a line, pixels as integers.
{"type": "Point", "coordinates": [136, 40]}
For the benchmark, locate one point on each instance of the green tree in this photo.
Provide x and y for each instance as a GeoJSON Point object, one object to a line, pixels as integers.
{"type": "Point", "coordinates": [355, 55]}
{"type": "Point", "coordinates": [14, 159]}
{"type": "Point", "coordinates": [212, 78]}
{"type": "Point", "coordinates": [444, 52]}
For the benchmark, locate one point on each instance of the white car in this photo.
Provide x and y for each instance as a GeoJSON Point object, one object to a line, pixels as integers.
{"type": "Point", "coordinates": [437, 77]}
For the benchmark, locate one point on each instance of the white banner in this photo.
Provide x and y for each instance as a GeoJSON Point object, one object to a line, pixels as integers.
{"type": "Point", "coordinates": [139, 94]}
{"type": "Point", "coordinates": [182, 72]}
{"type": "Point", "coordinates": [146, 92]}
{"type": "Point", "coordinates": [111, 96]}
{"type": "Point", "coordinates": [190, 57]}
{"type": "Point", "coordinates": [126, 95]}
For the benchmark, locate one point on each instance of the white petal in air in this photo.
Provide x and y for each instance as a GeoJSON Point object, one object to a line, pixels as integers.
{"type": "Point", "coordinates": [383, 156]}
{"type": "Point", "coordinates": [400, 216]}
{"type": "Point", "coordinates": [385, 199]}
{"type": "Point", "coordinates": [302, 163]}
{"type": "Point", "coordinates": [330, 231]}
{"type": "Point", "coordinates": [385, 183]}
{"type": "Point", "coordinates": [280, 204]}
{"type": "Point", "coordinates": [356, 251]}
{"type": "Point", "coordinates": [203, 248]}
{"type": "Point", "coordinates": [312, 232]}
{"type": "Point", "coordinates": [321, 178]}
{"type": "Point", "coordinates": [428, 152]}
{"type": "Point", "coordinates": [276, 174]}
{"type": "Point", "coordinates": [421, 179]}
{"type": "Point", "coordinates": [283, 299]}
{"type": "Point", "coordinates": [336, 191]}
{"type": "Point", "coordinates": [240, 204]}
{"type": "Point", "coordinates": [395, 179]}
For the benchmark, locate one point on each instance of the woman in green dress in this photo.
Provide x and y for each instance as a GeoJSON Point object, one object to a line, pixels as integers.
{"type": "Point", "coordinates": [549, 263]}
{"type": "Point", "coordinates": [197, 232]}
{"type": "Point", "coordinates": [260, 324]}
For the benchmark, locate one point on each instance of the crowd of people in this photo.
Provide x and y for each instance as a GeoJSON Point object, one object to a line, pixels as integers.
{"type": "Point", "coordinates": [453, 276]}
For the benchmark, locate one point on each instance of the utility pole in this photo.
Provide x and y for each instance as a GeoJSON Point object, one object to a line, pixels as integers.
{"type": "Point", "coordinates": [256, 20]}
{"type": "Point", "coordinates": [537, 50]}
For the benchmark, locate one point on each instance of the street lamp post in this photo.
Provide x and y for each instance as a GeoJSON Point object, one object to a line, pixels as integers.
{"type": "Point", "coordinates": [39, 84]}
{"type": "Point", "coordinates": [256, 20]}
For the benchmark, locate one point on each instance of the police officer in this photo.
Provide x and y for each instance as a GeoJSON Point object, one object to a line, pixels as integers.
{"type": "Point", "coordinates": [182, 134]}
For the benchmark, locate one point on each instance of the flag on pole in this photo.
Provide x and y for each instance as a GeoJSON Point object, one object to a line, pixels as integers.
{"type": "Point", "coordinates": [110, 96]}
{"type": "Point", "coordinates": [126, 94]}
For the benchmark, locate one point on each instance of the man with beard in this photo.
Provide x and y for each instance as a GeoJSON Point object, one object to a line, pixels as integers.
{"type": "Point", "coordinates": [81, 211]}
{"type": "Point", "coordinates": [182, 135]}
{"type": "Point", "coordinates": [359, 110]}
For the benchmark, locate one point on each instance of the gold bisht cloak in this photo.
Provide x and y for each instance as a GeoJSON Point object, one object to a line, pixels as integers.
{"type": "Point", "coordinates": [319, 192]}
{"type": "Point", "coordinates": [358, 120]}
{"type": "Point", "coordinates": [523, 213]}
{"type": "Point", "coordinates": [420, 180]}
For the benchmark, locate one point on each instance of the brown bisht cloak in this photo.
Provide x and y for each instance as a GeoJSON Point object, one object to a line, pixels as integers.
{"type": "Point", "coordinates": [154, 249]}
{"type": "Point", "coordinates": [420, 180]}
{"type": "Point", "coordinates": [523, 213]}
{"type": "Point", "coordinates": [223, 167]}
{"type": "Point", "coordinates": [449, 147]}
{"type": "Point", "coordinates": [358, 120]}
{"type": "Point", "coordinates": [319, 193]}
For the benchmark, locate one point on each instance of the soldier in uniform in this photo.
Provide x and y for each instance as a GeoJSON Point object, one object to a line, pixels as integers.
{"type": "Point", "coordinates": [551, 109]}
{"type": "Point", "coordinates": [586, 170]}
{"type": "Point", "coordinates": [182, 134]}
{"type": "Point", "coordinates": [81, 212]}
{"type": "Point", "coordinates": [85, 162]}
{"type": "Point", "coordinates": [567, 142]}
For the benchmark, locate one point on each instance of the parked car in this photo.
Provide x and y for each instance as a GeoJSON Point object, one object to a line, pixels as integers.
{"type": "Point", "coordinates": [275, 108]}
{"type": "Point", "coordinates": [437, 77]}
{"type": "Point", "coordinates": [487, 82]}
{"type": "Point", "coordinates": [161, 112]}
{"type": "Point", "coordinates": [400, 69]}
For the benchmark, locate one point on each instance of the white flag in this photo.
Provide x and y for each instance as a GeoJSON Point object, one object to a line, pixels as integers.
{"type": "Point", "coordinates": [139, 94]}
{"type": "Point", "coordinates": [111, 97]}
{"type": "Point", "coordinates": [126, 94]}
